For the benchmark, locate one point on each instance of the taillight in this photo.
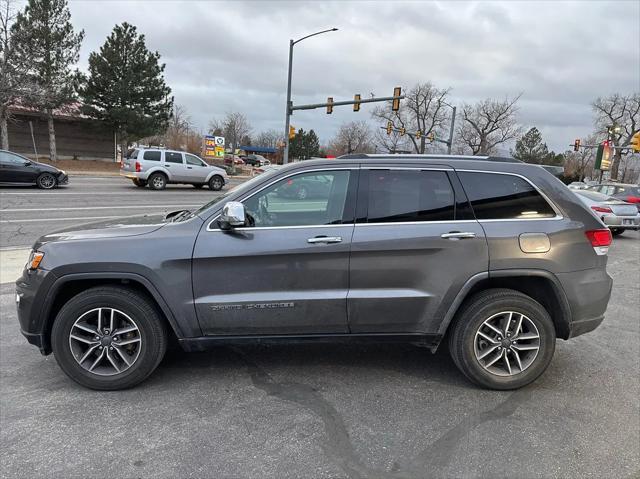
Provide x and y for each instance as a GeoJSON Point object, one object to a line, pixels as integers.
{"type": "Point", "coordinates": [633, 199]}
{"type": "Point", "coordinates": [601, 209]}
{"type": "Point", "coordinates": [600, 240]}
{"type": "Point", "coordinates": [138, 167]}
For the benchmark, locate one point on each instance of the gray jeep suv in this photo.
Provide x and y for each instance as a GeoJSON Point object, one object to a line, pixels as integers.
{"type": "Point", "coordinates": [496, 257]}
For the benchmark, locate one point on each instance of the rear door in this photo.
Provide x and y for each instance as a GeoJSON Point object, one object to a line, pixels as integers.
{"type": "Point", "coordinates": [414, 246]}
{"type": "Point", "coordinates": [174, 162]}
{"type": "Point", "coordinates": [287, 273]}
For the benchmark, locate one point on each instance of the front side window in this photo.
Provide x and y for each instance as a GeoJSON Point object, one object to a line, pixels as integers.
{"type": "Point", "coordinates": [314, 198]}
{"type": "Point", "coordinates": [151, 155]}
{"type": "Point", "coordinates": [404, 195]}
{"type": "Point", "coordinates": [172, 157]}
{"type": "Point", "coordinates": [194, 160]}
{"type": "Point", "coordinates": [498, 196]}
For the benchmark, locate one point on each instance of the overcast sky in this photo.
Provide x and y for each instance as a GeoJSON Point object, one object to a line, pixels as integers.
{"type": "Point", "coordinates": [232, 56]}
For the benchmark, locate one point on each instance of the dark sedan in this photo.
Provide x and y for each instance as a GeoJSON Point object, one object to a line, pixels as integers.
{"type": "Point", "coordinates": [18, 170]}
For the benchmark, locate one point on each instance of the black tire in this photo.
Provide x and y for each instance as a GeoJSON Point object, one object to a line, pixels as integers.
{"type": "Point", "coordinates": [302, 193]}
{"type": "Point", "coordinates": [139, 183]}
{"type": "Point", "coordinates": [46, 181]}
{"type": "Point", "coordinates": [197, 186]}
{"type": "Point", "coordinates": [151, 327]}
{"type": "Point", "coordinates": [157, 181]}
{"type": "Point", "coordinates": [470, 318]}
{"type": "Point", "coordinates": [617, 231]}
{"type": "Point", "coordinates": [216, 183]}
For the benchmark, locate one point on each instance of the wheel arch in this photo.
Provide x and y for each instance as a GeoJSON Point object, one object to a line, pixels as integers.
{"type": "Point", "coordinates": [158, 169]}
{"type": "Point", "coordinates": [212, 174]}
{"type": "Point", "coordinates": [540, 285]}
{"type": "Point", "coordinates": [70, 285]}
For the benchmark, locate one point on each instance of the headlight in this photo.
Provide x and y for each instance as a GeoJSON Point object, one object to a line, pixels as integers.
{"type": "Point", "coordinates": [35, 257]}
{"type": "Point", "coordinates": [63, 172]}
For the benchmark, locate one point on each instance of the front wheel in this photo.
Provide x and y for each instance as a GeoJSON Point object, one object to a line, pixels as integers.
{"type": "Point", "coordinates": [502, 339]}
{"type": "Point", "coordinates": [108, 338]}
{"type": "Point", "coordinates": [216, 183]}
{"type": "Point", "coordinates": [46, 181]}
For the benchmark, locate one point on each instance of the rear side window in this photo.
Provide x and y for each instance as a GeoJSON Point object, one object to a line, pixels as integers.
{"type": "Point", "coordinates": [151, 155]}
{"type": "Point", "coordinates": [495, 197]}
{"type": "Point", "coordinates": [402, 195]}
{"type": "Point", "coordinates": [171, 157]}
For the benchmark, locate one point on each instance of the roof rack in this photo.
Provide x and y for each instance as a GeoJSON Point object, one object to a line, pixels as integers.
{"type": "Point", "coordinates": [362, 156]}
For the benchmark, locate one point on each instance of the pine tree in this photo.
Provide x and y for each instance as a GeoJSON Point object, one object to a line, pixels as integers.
{"type": "Point", "coordinates": [530, 148]}
{"type": "Point", "coordinates": [304, 145]}
{"type": "Point", "coordinates": [44, 37]}
{"type": "Point", "coordinates": [126, 87]}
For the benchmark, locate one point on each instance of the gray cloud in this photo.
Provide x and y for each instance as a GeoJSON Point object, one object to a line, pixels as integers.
{"type": "Point", "coordinates": [224, 56]}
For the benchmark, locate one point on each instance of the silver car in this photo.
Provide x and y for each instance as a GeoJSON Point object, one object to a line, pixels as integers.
{"type": "Point", "coordinates": [618, 215]}
{"type": "Point", "coordinates": [158, 167]}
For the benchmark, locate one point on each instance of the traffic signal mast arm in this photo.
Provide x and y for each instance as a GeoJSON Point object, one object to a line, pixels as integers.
{"type": "Point", "coordinates": [313, 106]}
{"type": "Point", "coordinates": [431, 136]}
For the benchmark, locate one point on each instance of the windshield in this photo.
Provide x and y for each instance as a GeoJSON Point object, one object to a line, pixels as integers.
{"type": "Point", "coordinates": [239, 189]}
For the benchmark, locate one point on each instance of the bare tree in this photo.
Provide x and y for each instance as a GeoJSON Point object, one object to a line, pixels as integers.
{"type": "Point", "coordinates": [233, 127]}
{"type": "Point", "coordinates": [581, 162]}
{"type": "Point", "coordinates": [353, 137]}
{"type": "Point", "coordinates": [392, 143]}
{"type": "Point", "coordinates": [489, 123]}
{"type": "Point", "coordinates": [618, 111]}
{"type": "Point", "coordinates": [269, 138]}
{"type": "Point", "coordinates": [423, 109]}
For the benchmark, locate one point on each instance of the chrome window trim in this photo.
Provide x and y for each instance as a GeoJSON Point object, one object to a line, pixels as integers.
{"type": "Point", "coordinates": [280, 178]}
{"type": "Point", "coordinates": [554, 207]}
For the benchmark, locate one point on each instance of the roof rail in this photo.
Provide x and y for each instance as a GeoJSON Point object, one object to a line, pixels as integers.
{"type": "Point", "coordinates": [362, 156]}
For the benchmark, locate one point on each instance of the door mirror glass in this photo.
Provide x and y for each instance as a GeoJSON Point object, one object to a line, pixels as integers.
{"type": "Point", "coordinates": [233, 215]}
{"type": "Point", "coordinates": [27, 163]}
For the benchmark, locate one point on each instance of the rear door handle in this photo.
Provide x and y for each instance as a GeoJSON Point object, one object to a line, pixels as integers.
{"type": "Point", "coordinates": [325, 239]}
{"type": "Point", "coordinates": [458, 235]}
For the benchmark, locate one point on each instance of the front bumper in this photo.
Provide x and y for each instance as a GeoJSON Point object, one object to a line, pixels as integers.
{"type": "Point", "coordinates": [63, 179]}
{"type": "Point", "coordinates": [31, 294]}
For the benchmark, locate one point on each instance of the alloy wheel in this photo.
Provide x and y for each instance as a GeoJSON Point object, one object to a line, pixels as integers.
{"type": "Point", "coordinates": [47, 182]}
{"type": "Point", "coordinates": [105, 341]}
{"type": "Point", "coordinates": [507, 343]}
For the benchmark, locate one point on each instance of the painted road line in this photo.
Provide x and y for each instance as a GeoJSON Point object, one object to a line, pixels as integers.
{"type": "Point", "coordinates": [81, 208]}
{"type": "Point", "coordinates": [64, 219]}
{"type": "Point", "coordinates": [11, 264]}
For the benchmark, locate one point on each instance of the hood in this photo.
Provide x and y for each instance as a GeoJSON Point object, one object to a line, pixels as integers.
{"type": "Point", "coordinates": [117, 227]}
{"type": "Point", "coordinates": [45, 167]}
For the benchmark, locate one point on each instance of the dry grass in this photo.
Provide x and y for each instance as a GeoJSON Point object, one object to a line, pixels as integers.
{"type": "Point", "coordinates": [93, 167]}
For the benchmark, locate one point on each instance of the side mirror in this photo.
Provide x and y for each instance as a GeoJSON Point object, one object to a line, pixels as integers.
{"type": "Point", "coordinates": [27, 163]}
{"type": "Point", "coordinates": [233, 215]}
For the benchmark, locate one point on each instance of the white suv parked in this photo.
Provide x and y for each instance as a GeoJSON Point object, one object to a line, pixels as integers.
{"type": "Point", "coordinates": [158, 167]}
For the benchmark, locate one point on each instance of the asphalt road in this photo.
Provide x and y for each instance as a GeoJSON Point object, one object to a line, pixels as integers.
{"type": "Point", "coordinates": [26, 213]}
{"type": "Point", "coordinates": [330, 410]}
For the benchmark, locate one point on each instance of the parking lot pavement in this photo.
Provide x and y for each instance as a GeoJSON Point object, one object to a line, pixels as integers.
{"type": "Point", "coordinates": [332, 410]}
{"type": "Point", "coordinates": [26, 213]}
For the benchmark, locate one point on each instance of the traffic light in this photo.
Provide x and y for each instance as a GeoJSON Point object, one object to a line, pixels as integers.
{"type": "Point", "coordinates": [292, 132]}
{"type": "Point", "coordinates": [389, 127]}
{"type": "Point", "coordinates": [603, 156]}
{"type": "Point", "coordinates": [418, 134]}
{"type": "Point", "coordinates": [395, 106]}
{"type": "Point", "coordinates": [356, 105]}
{"type": "Point", "coordinates": [576, 144]}
{"type": "Point", "coordinates": [329, 105]}
{"type": "Point", "coordinates": [635, 142]}
{"type": "Point", "coordinates": [402, 131]}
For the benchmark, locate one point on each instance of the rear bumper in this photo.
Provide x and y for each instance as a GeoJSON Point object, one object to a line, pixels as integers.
{"type": "Point", "coordinates": [622, 222]}
{"type": "Point", "coordinates": [576, 328]}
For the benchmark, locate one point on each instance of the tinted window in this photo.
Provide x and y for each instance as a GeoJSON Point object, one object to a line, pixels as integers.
{"type": "Point", "coordinates": [152, 155]}
{"type": "Point", "coordinates": [495, 196]}
{"type": "Point", "coordinates": [397, 195]}
{"type": "Point", "coordinates": [305, 199]}
{"type": "Point", "coordinates": [194, 160]}
{"type": "Point", "coordinates": [132, 154]}
{"type": "Point", "coordinates": [171, 157]}
{"type": "Point", "coordinates": [11, 159]}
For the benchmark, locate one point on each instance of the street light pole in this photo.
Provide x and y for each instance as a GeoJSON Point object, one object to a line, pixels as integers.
{"type": "Point", "coordinates": [453, 124]}
{"type": "Point", "coordinates": [285, 153]}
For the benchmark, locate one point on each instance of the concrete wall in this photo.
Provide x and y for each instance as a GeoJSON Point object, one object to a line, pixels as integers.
{"type": "Point", "coordinates": [82, 139]}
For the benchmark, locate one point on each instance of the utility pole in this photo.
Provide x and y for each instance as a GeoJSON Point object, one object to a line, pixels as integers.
{"type": "Point", "coordinates": [453, 124]}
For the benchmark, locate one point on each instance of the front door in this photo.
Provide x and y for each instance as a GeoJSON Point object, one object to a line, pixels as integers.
{"type": "Point", "coordinates": [16, 169]}
{"type": "Point", "coordinates": [287, 271]}
{"type": "Point", "coordinates": [415, 245]}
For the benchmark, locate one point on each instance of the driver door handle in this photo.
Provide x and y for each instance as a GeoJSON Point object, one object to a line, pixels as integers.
{"type": "Point", "coordinates": [458, 235]}
{"type": "Point", "coordinates": [325, 239]}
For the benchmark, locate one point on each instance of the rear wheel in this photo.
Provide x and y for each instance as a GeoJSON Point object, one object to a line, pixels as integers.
{"type": "Point", "coordinates": [617, 231]}
{"type": "Point", "coordinates": [108, 338]}
{"type": "Point", "coordinates": [502, 339]}
{"type": "Point", "coordinates": [139, 183]}
{"type": "Point", "coordinates": [46, 181]}
{"type": "Point", "coordinates": [216, 183]}
{"type": "Point", "coordinates": [157, 181]}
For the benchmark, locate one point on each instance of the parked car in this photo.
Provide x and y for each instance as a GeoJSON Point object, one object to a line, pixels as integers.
{"type": "Point", "coordinates": [306, 187]}
{"type": "Point", "coordinates": [157, 168]}
{"type": "Point", "coordinates": [622, 191]}
{"type": "Point", "coordinates": [577, 185]}
{"type": "Point", "coordinates": [235, 160]}
{"type": "Point", "coordinates": [19, 170]}
{"type": "Point", "coordinates": [256, 160]}
{"type": "Point", "coordinates": [618, 215]}
{"type": "Point", "coordinates": [497, 258]}
{"type": "Point", "coordinates": [264, 169]}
